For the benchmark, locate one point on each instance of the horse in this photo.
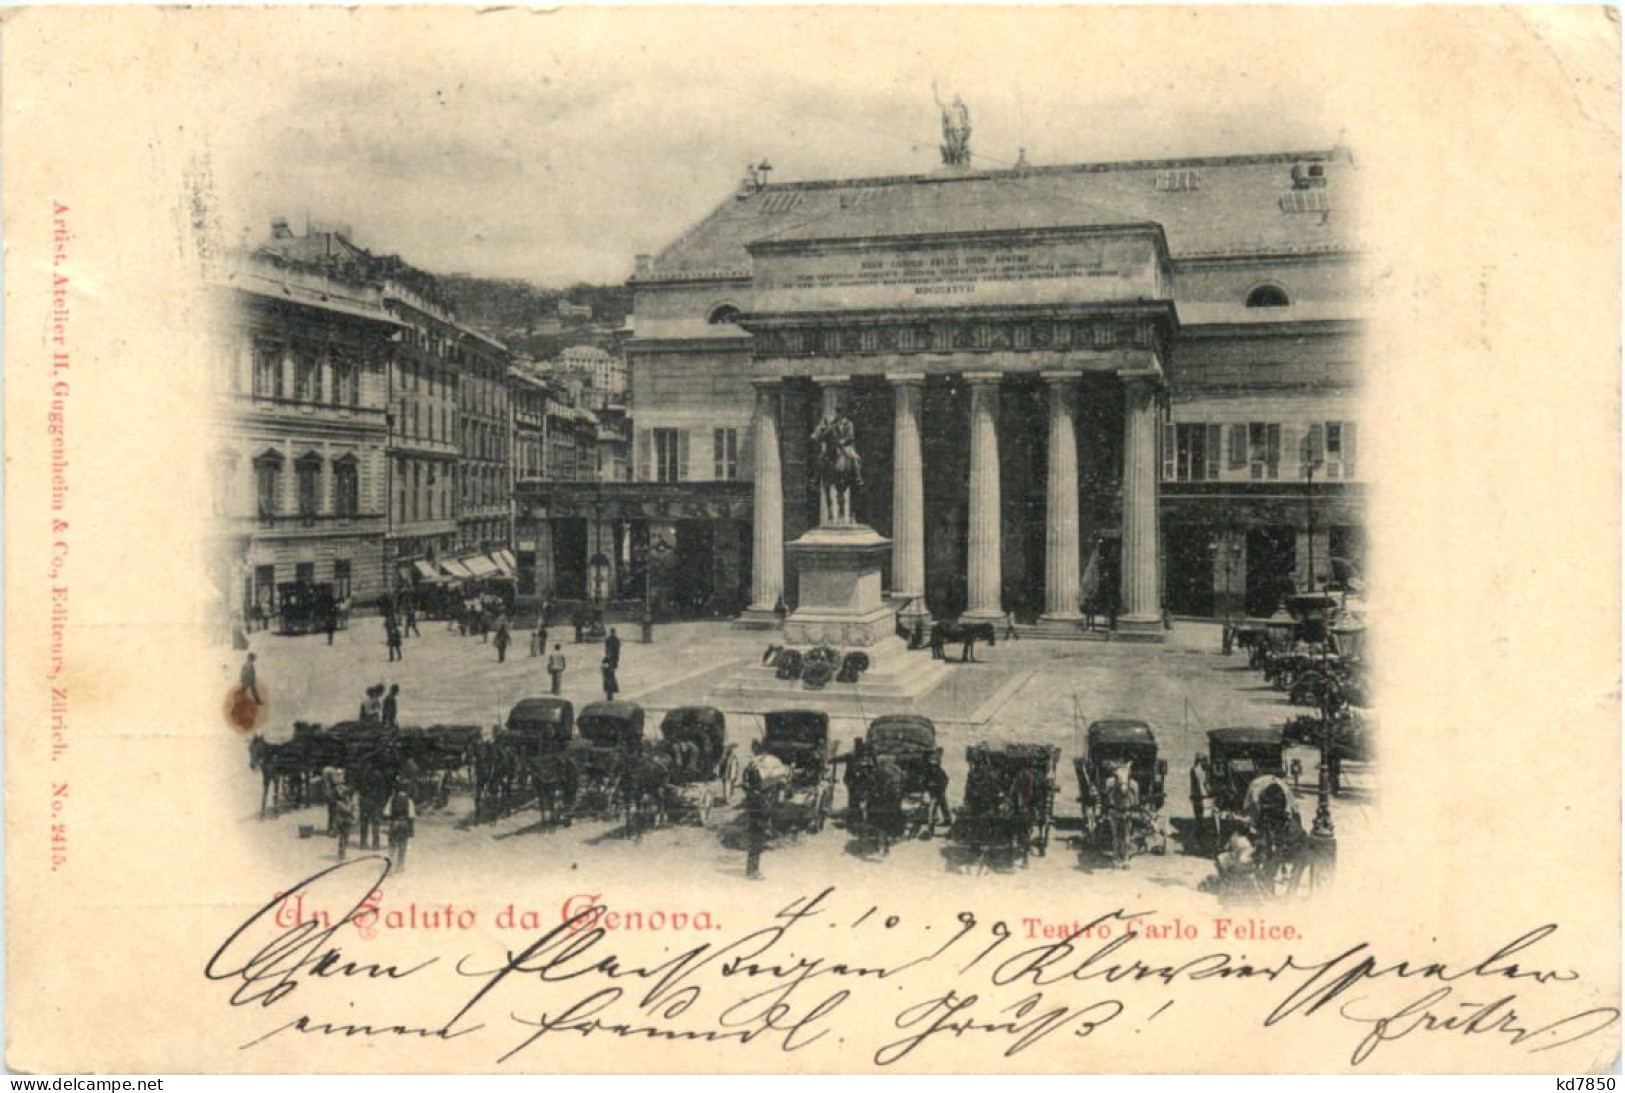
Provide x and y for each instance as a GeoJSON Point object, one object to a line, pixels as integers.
{"type": "Point", "coordinates": [643, 783]}
{"type": "Point", "coordinates": [969, 633]}
{"type": "Point", "coordinates": [838, 472]}
{"type": "Point", "coordinates": [283, 774]}
{"type": "Point", "coordinates": [554, 778]}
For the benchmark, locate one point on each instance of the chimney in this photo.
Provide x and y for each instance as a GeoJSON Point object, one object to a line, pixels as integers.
{"type": "Point", "coordinates": [645, 263]}
{"type": "Point", "coordinates": [279, 228]}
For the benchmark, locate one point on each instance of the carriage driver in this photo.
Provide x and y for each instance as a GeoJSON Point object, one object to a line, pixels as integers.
{"type": "Point", "coordinates": [837, 428]}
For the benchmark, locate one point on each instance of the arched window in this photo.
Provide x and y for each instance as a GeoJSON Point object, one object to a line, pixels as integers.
{"type": "Point", "coordinates": [1268, 296]}
{"type": "Point", "coordinates": [723, 313]}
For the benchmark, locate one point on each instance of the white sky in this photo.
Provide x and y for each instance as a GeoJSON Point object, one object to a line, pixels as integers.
{"type": "Point", "coordinates": [556, 148]}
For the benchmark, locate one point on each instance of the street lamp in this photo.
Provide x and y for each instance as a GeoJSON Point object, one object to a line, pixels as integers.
{"type": "Point", "coordinates": [1322, 834]}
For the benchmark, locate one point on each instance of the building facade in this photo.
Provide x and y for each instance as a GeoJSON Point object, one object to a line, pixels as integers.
{"type": "Point", "coordinates": [448, 480]}
{"type": "Point", "coordinates": [484, 516]}
{"type": "Point", "coordinates": [605, 372]}
{"type": "Point", "coordinates": [298, 460]}
{"type": "Point", "coordinates": [424, 381]}
{"type": "Point", "coordinates": [1090, 388]}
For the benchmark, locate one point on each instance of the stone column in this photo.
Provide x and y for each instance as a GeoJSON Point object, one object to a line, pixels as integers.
{"type": "Point", "coordinates": [831, 388]}
{"type": "Point", "coordinates": [1142, 607]}
{"type": "Point", "coordinates": [908, 497]}
{"type": "Point", "coordinates": [767, 492]}
{"type": "Point", "coordinates": [984, 574]}
{"type": "Point", "coordinates": [1061, 586]}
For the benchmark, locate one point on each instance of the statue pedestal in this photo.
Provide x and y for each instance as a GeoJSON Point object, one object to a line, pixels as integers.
{"type": "Point", "coordinates": [841, 604]}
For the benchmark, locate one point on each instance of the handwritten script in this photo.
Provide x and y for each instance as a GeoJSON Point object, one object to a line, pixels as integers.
{"type": "Point", "coordinates": [821, 970]}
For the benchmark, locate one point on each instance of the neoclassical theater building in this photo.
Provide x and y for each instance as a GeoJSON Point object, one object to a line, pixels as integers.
{"type": "Point", "coordinates": [1127, 388]}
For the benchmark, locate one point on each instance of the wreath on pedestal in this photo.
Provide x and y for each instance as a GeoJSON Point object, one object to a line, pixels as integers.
{"type": "Point", "coordinates": [821, 664]}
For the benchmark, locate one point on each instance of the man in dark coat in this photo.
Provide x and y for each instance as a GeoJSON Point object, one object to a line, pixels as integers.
{"type": "Point", "coordinates": [612, 649]}
{"type": "Point", "coordinates": [611, 685]}
{"type": "Point", "coordinates": [391, 706]}
{"type": "Point", "coordinates": [250, 681]}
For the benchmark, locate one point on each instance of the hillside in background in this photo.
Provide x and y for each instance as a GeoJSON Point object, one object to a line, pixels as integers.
{"type": "Point", "coordinates": [529, 318]}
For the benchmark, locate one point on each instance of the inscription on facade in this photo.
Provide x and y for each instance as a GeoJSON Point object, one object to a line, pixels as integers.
{"type": "Point", "coordinates": [929, 274]}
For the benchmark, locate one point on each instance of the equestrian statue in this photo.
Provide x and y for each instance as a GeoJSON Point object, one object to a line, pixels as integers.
{"type": "Point", "coordinates": [838, 466]}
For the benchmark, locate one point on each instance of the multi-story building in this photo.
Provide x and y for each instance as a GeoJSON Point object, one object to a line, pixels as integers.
{"type": "Point", "coordinates": [1088, 386]}
{"type": "Point", "coordinates": [578, 552]}
{"type": "Point", "coordinates": [447, 441]}
{"type": "Point", "coordinates": [425, 424]}
{"type": "Point", "coordinates": [298, 457]}
{"type": "Point", "coordinates": [484, 516]}
{"type": "Point", "coordinates": [605, 371]}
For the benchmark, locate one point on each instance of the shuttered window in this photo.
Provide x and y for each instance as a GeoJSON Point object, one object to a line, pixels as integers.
{"type": "Point", "coordinates": [670, 455]}
{"type": "Point", "coordinates": [1238, 447]}
{"type": "Point", "coordinates": [1168, 448]}
{"type": "Point", "coordinates": [645, 456]}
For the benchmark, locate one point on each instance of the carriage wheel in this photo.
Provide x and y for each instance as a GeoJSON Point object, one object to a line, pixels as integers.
{"type": "Point", "coordinates": [730, 776]}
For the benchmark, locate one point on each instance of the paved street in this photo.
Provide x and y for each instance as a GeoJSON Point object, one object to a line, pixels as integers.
{"type": "Point", "coordinates": [1027, 690]}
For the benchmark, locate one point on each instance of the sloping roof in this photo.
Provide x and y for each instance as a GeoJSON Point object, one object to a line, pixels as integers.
{"type": "Point", "coordinates": [1232, 205]}
{"type": "Point", "coordinates": [951, 205]}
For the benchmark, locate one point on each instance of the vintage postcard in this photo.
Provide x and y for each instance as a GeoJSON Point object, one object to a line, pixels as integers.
{"type": "Point", "coordinates": [832, 540]}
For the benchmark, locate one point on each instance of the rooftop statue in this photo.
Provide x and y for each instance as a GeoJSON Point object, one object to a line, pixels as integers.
{"type": "Point", "coordinates": [955, 130]}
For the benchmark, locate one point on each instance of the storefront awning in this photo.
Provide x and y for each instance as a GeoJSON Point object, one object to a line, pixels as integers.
{"type": "Point", "coordinates": [506, 560]}
{"type": "Point", "coordinates": [426, 570]}
{"type": "Point", "coordinates": [456, 568]}
{"type": "Point", "coordinates": [481, 566]}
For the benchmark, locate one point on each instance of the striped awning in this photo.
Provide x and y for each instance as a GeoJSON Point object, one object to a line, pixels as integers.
{"type": "Point", "coordinates": [456, 568]}
{"type": "Point", "coordinates": [481, 566]}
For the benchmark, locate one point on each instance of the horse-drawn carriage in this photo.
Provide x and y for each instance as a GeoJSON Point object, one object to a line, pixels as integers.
{"type": "Point", "coordinates": [527, 758]}
{"type": "Point", "coordinates": [370, 759]}
{"type": "Point", "coordinates": [792, 769]}
{"type": "Point", "coordinates": [1121, 788]}
{"type": "Point", "coordinates": [896, 786]}
{"type": "Point", "coordinates": [609, 738]}
{"type": "Point", "coordinates": [702, 768]}
{"type": "Point", "coordinates": [1267, 850]}
{"type": "Point", "coordinates": [1009, 797]}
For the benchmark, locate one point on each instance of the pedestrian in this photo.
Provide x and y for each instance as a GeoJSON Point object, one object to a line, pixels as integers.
{"type": "Point", "coordinates": [249, 679]}
{"type": "Point", "coordinates": [538, 639]}
{"type": "Point", "coordinates": [331, 788]}
{"type": "Point", "coordinates": [755, 827]}
{"type": "Point", "coordinates": [402, 816]}
{"type": "Point", "coordinates": [372, 706]}
{"type": "Point", "coordinates": [612, 648]}
{"type": "Point", "coordinates": [331, 622]}
{"type": "Point", "coordinates": [1199, 792]}
{"type": "Point", "coordinates": [501, 641]}
{"type": "Point", "coordinates": [579, 621]}
{"type": "Point", "coordinates": [344, 809]}
{"type": "Point", "coordinates": [392, 634]}
{"type": "Point", "coordinates": [611, 685]}
{"type": "Point", "coordinates": [1010, 626]}
{"type": "Point", "coordinates": [555, 668]}
{"type": "Point", "coordinates": [390, 709]}
{"type": "Point", "coordinates": [412, 620]}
